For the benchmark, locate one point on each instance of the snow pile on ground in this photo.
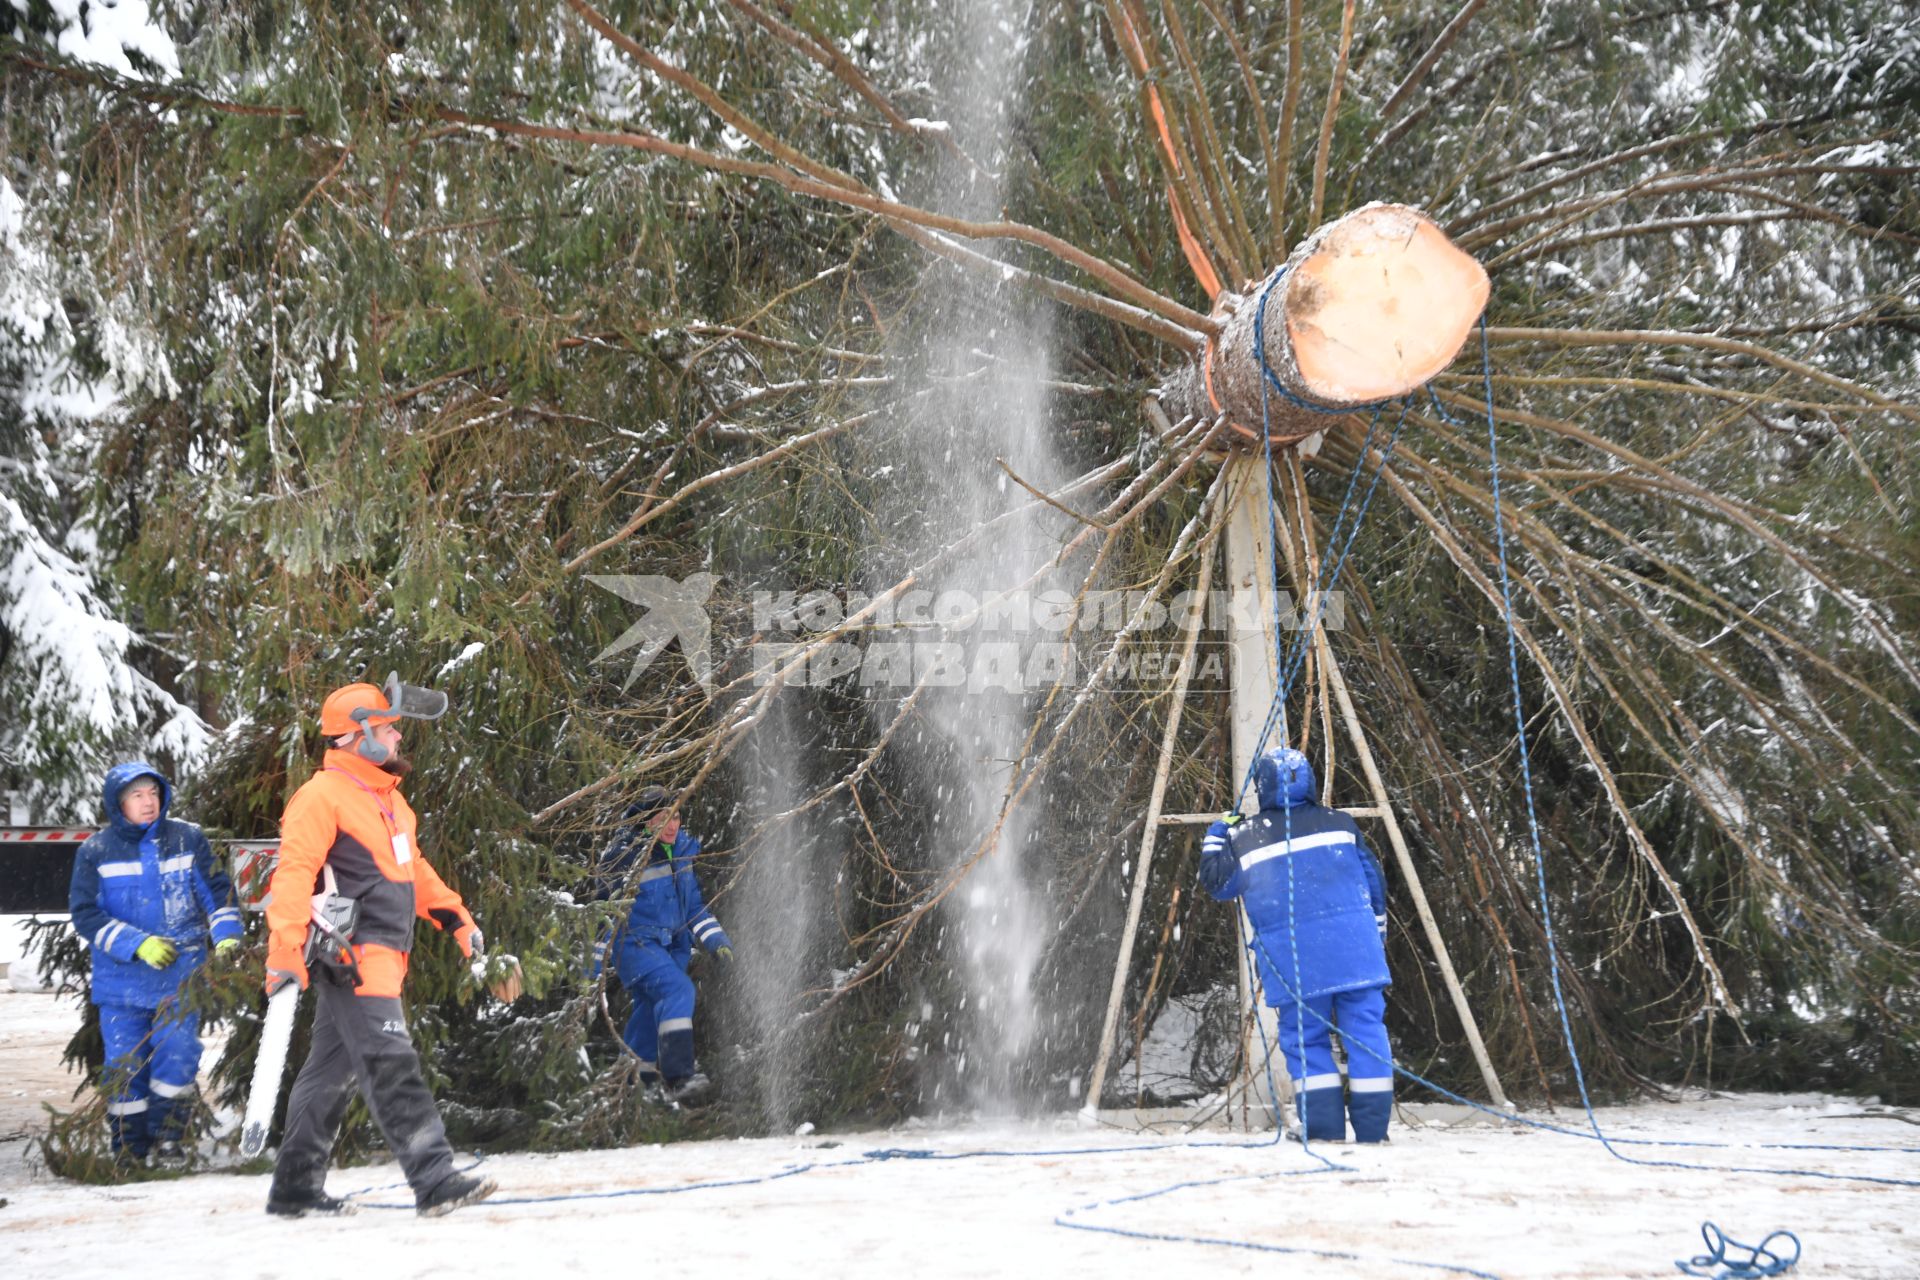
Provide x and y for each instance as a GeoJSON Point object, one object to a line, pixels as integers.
{"type": "Point", "coordinates": [1453, 1194]}
{"type": "Point", "coordinates": [34, 1030]}
{"type": "Point", "coordinates": [20, 970]}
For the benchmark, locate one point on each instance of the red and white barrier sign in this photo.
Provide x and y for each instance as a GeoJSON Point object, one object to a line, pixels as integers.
{"type": "Point", "coordinates": [252, 867]}
{"type": "Point", "coordinates": [252, 859]}
{"type": "Point", "coordinates": [45, 835]}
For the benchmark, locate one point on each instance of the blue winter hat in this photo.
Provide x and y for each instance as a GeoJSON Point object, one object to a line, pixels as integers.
{"type": "Point", "coordinates": [1283, 778]}
{"type": "Point", "coordinates": [122, 776]}
{"type": "Point", "coordinates": [651, 800]}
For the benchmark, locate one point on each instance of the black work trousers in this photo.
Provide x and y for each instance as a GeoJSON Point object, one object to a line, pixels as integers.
{"type": "Point", "coordinates": [360, 1041]}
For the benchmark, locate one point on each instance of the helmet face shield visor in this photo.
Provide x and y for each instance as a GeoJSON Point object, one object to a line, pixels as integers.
{"type": "Point", "coordinates": [404, 701]}
{"type": "Point", "coordinates": [412, 701]}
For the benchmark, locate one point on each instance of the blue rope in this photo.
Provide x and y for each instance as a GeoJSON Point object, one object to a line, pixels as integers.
{"type": "Point", "coordinates": [1511, 1117]}
{"type": "Point", "coordinates": [1533, 822]}
{"type": "Point", "coordinates": [1066, 1219]}
{"type": "Point", "coordinates": [1353, 532]}
{"type": "Point", "coordinates": [1761, 1259]}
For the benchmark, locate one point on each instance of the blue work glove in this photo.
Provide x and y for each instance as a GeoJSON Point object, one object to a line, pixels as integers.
{"type": "Point", "coordinates": [1217, 863]}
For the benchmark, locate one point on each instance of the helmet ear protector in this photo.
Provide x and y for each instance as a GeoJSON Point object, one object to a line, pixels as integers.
{"type": "Point", "coordinates": [404, 701]}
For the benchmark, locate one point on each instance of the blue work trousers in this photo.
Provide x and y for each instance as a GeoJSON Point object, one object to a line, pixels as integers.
{"type": "Point", "coordinates": [660, 1029]}
{"type": "Point", "coordinates": [1306, 1041]}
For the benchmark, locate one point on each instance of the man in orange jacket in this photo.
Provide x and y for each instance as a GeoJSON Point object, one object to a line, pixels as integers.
{"type": "Point", "coordinates": [348, 833]}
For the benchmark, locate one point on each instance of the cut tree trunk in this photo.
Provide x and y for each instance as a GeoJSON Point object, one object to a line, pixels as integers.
{"type": "Point", "coordinates": [1369, 307]}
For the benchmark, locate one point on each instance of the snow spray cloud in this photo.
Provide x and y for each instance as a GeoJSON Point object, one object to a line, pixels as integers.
{"type": "Point", "coordinates": [979, 401]}
{"type": "Point", "coordinates": [777, 900]}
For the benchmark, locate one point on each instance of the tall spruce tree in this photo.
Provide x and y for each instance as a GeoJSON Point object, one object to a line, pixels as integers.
{"type": "Point", "coordinates": [460, 312]}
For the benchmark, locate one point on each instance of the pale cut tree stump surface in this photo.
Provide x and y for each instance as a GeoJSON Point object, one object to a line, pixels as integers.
{"type": "Point", "coordinates": [1369, 307]}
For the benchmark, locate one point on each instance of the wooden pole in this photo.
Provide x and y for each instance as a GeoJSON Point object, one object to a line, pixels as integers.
{"type": "Point", "coordinates": [1111, 1025]}
{"type": "Point", "coordinates": [1408, 871]}
{"type": "Point", "coordinates": [1256, 677]}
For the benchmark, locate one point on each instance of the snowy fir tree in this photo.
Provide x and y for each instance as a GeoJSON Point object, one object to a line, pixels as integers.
{"type": "Point", "coordinates": [79, 358]}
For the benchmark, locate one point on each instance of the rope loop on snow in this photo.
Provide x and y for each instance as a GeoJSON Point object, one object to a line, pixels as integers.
{"type": "Point", "coordinates": [1761, 1259]}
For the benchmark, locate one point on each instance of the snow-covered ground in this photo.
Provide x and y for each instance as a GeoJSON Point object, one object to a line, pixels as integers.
{"type": "Point", "coordinates": [34, 1030]}
{"type": "Point", "coordinates": [17, 970]}
{"type": "Point", "coordinates": [1450, 1192]}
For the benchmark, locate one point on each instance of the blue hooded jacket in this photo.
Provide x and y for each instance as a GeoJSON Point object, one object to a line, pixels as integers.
{"type": "Point", "coordinates": [1313, 894]}
{"type": "Point", "coordinates": [667, 910]}
{"type": "Point", "coordinates": [131, 883]}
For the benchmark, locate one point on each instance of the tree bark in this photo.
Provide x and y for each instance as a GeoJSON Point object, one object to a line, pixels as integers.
{"type": "Point", "coordinates": [1369, 307]}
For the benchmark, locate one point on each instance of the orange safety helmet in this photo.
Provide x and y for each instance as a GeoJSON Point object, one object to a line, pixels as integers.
{"type": "Point", "coordinates": [361, 706]}
{"type": "Point", "coordinates": [347, 710]}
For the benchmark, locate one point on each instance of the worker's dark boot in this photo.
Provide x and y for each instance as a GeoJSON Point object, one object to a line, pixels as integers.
{"type": "Point", "coordinates": [1370, 1107]}
{"type": "Point", "coordinates": [128, 1131]}
{"type": "Point", "coordinates": [299, 1206]}
{"type": "Point", "coordinates": [453, 1191]}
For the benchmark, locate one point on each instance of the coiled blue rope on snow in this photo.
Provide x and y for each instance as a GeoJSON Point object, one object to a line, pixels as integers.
{"type": "Point", "coordinates": [1762, 1259]}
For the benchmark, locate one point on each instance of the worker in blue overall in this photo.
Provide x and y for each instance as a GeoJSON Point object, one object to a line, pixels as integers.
{"type": "Point", "coordinates": [149, 899]}
{"type": "Point", "coordinates": [1318, 907]}
{"type": "Point", "coordinates": [652, 858]}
